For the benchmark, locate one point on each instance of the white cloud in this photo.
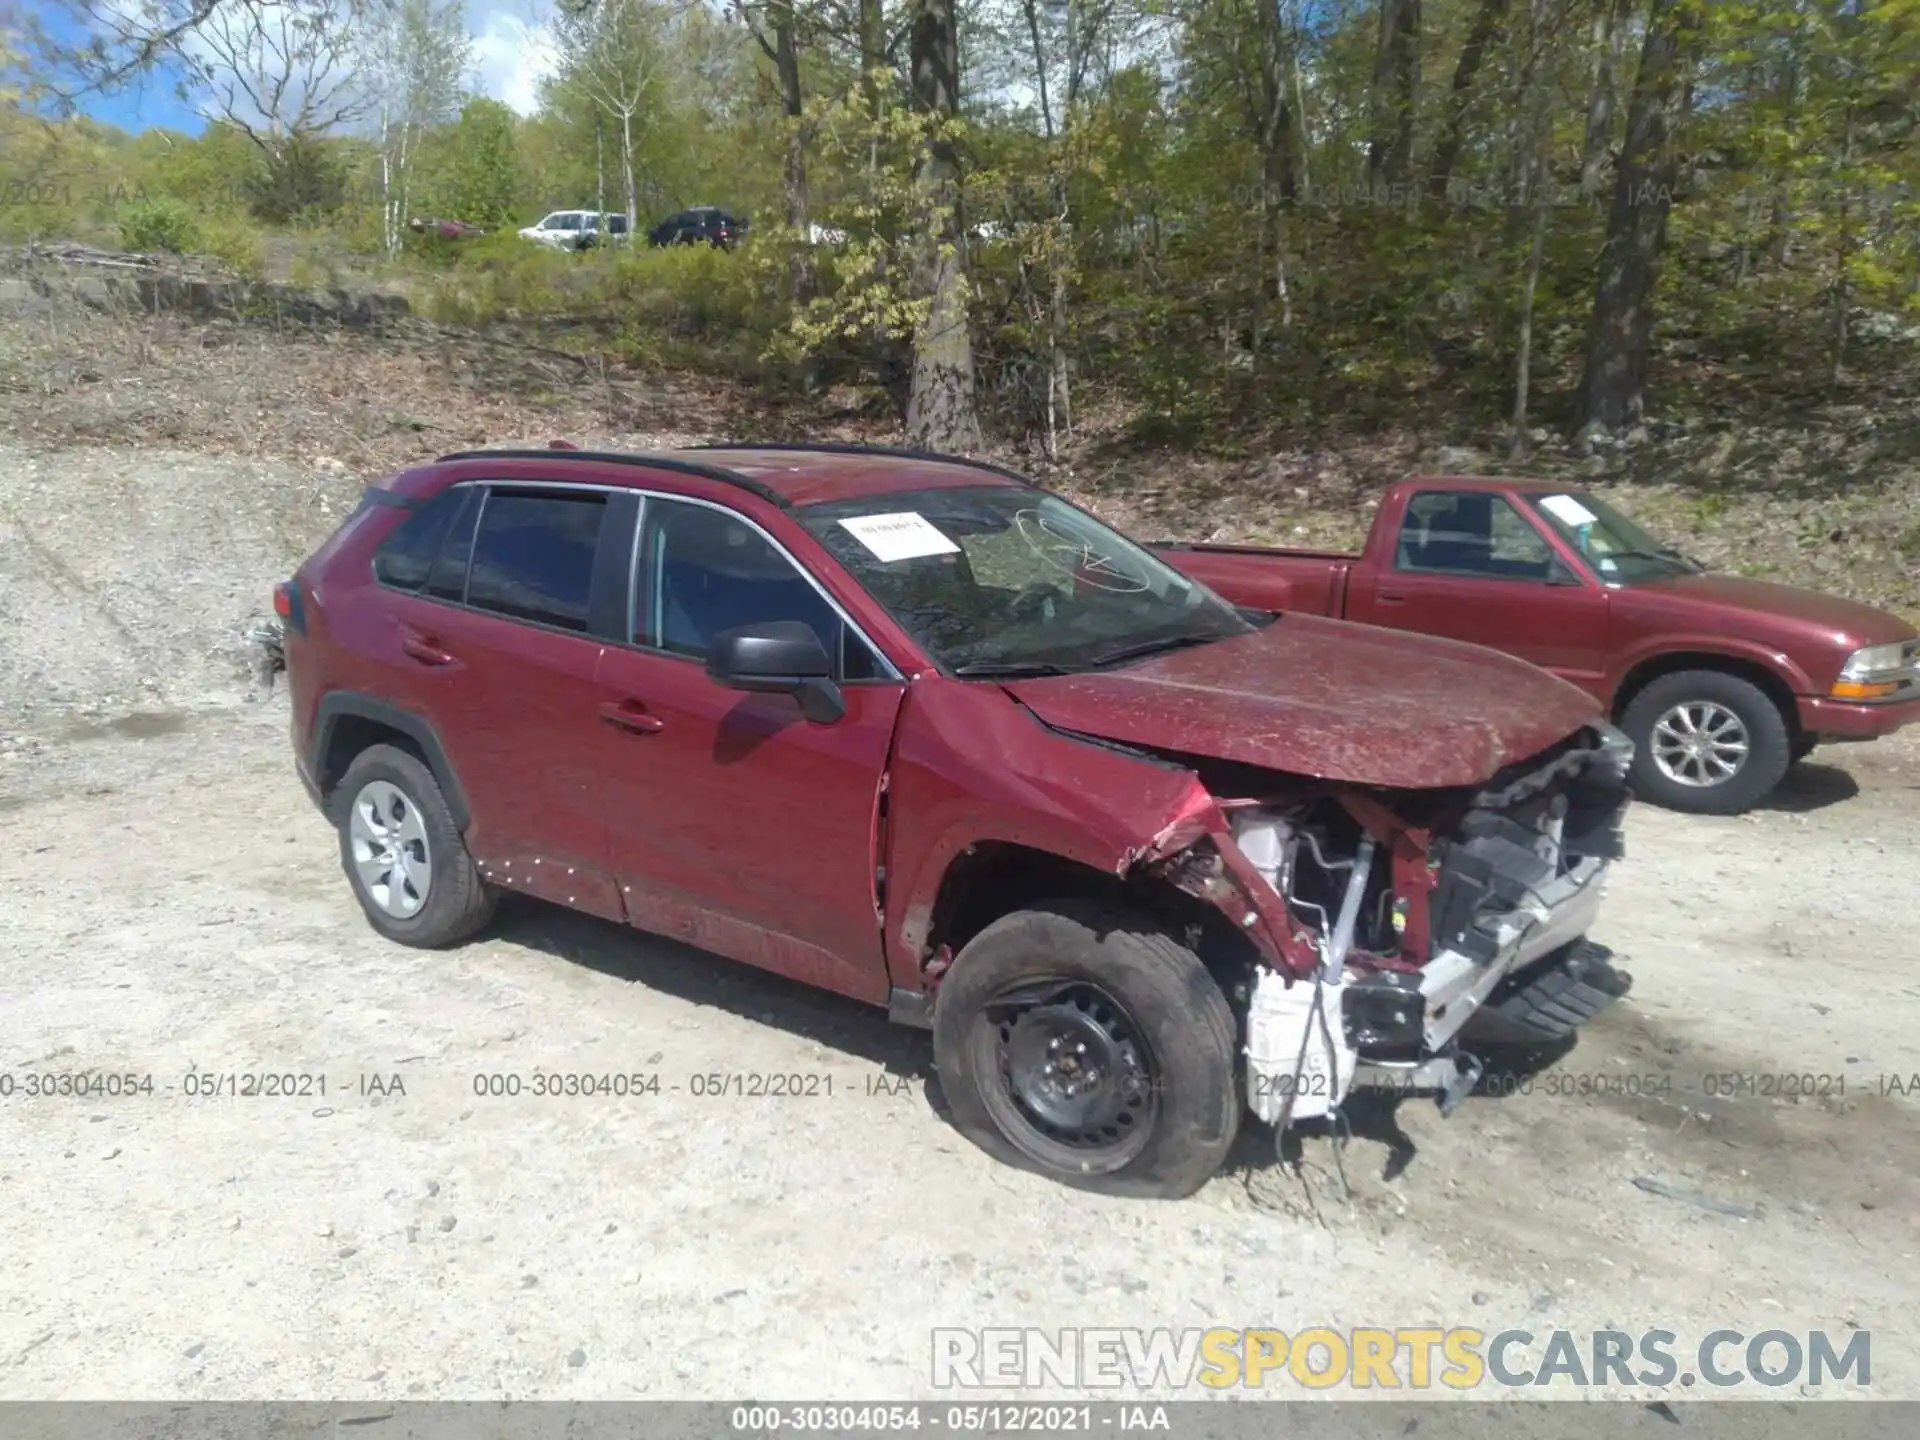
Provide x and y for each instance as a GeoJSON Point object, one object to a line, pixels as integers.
{"type": "Point", "coordinates": [512, 54]}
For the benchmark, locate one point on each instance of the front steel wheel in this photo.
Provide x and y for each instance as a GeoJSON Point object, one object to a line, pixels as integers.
{"type": "Point", "coordinates": [1083, 1041]}
{"type": "Point", "coordinates": [1077, 1085]}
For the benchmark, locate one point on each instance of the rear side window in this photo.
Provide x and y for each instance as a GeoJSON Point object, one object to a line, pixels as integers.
{"type": "Point", "coordinates": [447, 580]}
{"type": "Point", "coordinates": [405, 557]}
{"type": "Point", "coordinates": [533, 556]}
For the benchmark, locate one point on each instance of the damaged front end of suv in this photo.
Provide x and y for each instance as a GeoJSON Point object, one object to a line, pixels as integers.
{"type": "Point", "coordinates": [1400, 928]}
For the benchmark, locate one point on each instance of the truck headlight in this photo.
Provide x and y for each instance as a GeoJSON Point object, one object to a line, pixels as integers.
{"type": "Point", "coordinates": [1875, 672]}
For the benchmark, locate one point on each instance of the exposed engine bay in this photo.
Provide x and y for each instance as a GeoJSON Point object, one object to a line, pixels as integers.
{"type": "Point", "coordinates": [1407, 926]}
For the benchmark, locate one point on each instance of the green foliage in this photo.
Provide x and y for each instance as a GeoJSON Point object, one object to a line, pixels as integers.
{"type": "Point", "coordinates": [1133, 245]}
{"type": "Point", "coordinates": [484, 174]}
{"type": "Point", "coordinates": [696, 307]}
{"type": "Point", "coordinates": [163, 224]}
{"type": "Point", "coordinates": [303, 179]}
{"type": "Point", "coordinates": [236, 245]}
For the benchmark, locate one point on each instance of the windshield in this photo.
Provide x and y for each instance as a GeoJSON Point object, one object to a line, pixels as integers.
{"type": "Point", "coordinates": [1002, 578]}
{"type": "Point", "coordinates": [1620, 552]}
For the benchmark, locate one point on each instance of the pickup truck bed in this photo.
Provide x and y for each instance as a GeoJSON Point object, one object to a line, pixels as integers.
{"type": "Point", "coordinates": [1311, 582]}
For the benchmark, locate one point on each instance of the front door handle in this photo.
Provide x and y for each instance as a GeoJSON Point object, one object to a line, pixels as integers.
{"type": "Point", "coordinates": [1386, 597]}
{"type": "Point", "coordinates": [425, 649]}
{"type": "Point", "coordinates": [631, 715]}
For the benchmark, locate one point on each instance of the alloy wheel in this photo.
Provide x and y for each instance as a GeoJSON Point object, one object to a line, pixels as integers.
{"type": "Point", "coordinates": [388, 837]}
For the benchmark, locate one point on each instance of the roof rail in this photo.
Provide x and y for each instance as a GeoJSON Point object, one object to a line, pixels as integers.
{"type": "Point", "coordinates": [830, 448]}
{"type": "Point", "coordinates": [649, 462]}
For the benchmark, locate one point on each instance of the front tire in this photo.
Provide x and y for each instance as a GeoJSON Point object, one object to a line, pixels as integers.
{"type": "Point", "coordinates": [1084, 1043]}
{"type": "Point", "coordinates": [1706, 743]}
{"type": "Point", "coordinates": [403, 853]}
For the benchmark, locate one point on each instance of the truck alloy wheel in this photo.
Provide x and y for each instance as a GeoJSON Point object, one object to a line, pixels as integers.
{"type": "Point", "coordinates": [1700, 743]}
{"type": "Point", "coordinates": [1706, 742]}
{"type": "Point", "coordinates": [1084, 1042]}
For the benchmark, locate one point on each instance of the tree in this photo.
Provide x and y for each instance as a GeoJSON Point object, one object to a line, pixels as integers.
{"type": "Point", "coordinates": [775, 27]}
{"type": "Point", "coordinates": [486, 165]}
{"type": "Point", "coordinates": [416, 54]}
{"type": "Point", "coordinates": [1396, 88]}
{"type": "Point", "coordinates": [283, 73]}
{"type": "Point", "coordinates": [1488, 30]}
{"type": "Point", "coordinates": [1620, 335]}
{"type": "Point", "coordinates": [615, 52]}
{"type": "Point", "coordinates": [940, 408]}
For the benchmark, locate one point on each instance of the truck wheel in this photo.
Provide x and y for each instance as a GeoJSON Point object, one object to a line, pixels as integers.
{"type": "Point", "coordinates": [1706, 742]}
{"type": "Point", "coordinates": [1083, 1042]}
{"type": "Point", "coordinates": [403, 854]}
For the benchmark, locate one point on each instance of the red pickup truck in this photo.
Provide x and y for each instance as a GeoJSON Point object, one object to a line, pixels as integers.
{"type": "Point", "coordinates": [1720, 682]}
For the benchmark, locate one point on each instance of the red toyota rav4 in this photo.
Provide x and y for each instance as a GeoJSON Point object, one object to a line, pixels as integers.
{"type": "Point", "coordinates": [914, 730]}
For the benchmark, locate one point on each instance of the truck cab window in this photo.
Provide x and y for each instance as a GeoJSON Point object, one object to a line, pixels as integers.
{"type": "Point", "coordinates": [1470, 532]}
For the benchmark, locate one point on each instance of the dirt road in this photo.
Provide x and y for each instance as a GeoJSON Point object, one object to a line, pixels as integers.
{"type": "Point", "coordinates": [173, 907]}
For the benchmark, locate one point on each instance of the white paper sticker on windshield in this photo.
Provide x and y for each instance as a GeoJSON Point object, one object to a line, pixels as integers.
{"type": "Point", "coordinates": [904, 535]}
{"type": "Point", "coordinates": [1567, 510]}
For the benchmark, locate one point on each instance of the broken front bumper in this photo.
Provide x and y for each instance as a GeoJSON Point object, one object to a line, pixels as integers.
{"type": "Point", "coordinates": [1454, 985]}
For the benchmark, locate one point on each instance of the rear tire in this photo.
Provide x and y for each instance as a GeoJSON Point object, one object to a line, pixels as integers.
{"type": "Point", "coordinates": [403, 853]}
{"type": "Point", "coordinates": [1148, 1106]}
{"type": "Point", "coordinates": [1688, 728]}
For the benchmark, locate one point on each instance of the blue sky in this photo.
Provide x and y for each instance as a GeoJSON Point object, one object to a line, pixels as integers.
{"type": "Point", "coordinates": [510, 57]}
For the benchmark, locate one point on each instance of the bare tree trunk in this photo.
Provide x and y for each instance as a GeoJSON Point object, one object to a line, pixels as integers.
{"type": "Point", "coordinates": [1612, 390]}
{"type": "Point", "coordinates": [1396, 85]}
{"type": "Point", "coordinates": [1780, 227]}
{"type": "Point", "coordinates": [388, 234]}
{"type": "Point", "coordinates": [1610, 19]}
{"type": "Point", "coordinates": [1488, 29]}
{"type": "Point", "coordinates": [873, 54]}
{"type": "Point", "coordinates": [786, 64]}
{"type": "Point", "coordinates": [1536, 195]}
{"type": "Point", "coordinates": [1843, 254]}
{"type": "Point", "coordinates": [940, 408]}
{"type": "Point", "coordinates": [1278, 183]}
{"type": "Point", "coordinates": [626, 166]}
{"type": "Point", "coordinates": [404, 188]}
{"type": "Point", "coordinates": [599, 166]}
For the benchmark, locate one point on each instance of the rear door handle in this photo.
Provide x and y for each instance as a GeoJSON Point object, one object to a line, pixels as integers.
{"type": "Point", "coordinates": [425, 648]}
{"type": "Point", "coordinates": [631, 715]}
{"type": "Point", "coordinates": [1387, 598]}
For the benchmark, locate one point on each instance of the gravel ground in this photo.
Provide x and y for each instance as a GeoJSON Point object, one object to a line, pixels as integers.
{"type": "Point", "coordinates": [173, 906]}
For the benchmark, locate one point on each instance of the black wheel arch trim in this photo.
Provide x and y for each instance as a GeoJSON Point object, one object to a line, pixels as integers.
{"type": "Point", "coordinates": [343, 704]}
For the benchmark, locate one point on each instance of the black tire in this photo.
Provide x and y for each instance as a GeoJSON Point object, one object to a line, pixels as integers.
{"type": "Point", "coordinates": [458, 902]}
{"type": "Point", "coordinates": [1171, 1017]}
{"type": "Point", "coordinates": [1803, 746]}
{"type": "Point", "coordinates": [1769, 742]}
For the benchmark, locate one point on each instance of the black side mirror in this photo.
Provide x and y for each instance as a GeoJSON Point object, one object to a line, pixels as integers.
{"type": "Point", "coordinates": [1561, 573]}
{"type": "Point", "coordinates": [779, 657]}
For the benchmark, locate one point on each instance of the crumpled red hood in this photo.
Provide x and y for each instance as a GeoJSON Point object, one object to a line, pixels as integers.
{"type": "Point", "coordinates": [1328, 699]}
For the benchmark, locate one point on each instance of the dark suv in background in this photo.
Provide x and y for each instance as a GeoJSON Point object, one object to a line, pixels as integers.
{"type": "Point", "coordinates": [704, 224]}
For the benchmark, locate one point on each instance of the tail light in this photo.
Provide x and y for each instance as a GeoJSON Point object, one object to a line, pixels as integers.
{"type": "Point", "coordinates": [288, 605]}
